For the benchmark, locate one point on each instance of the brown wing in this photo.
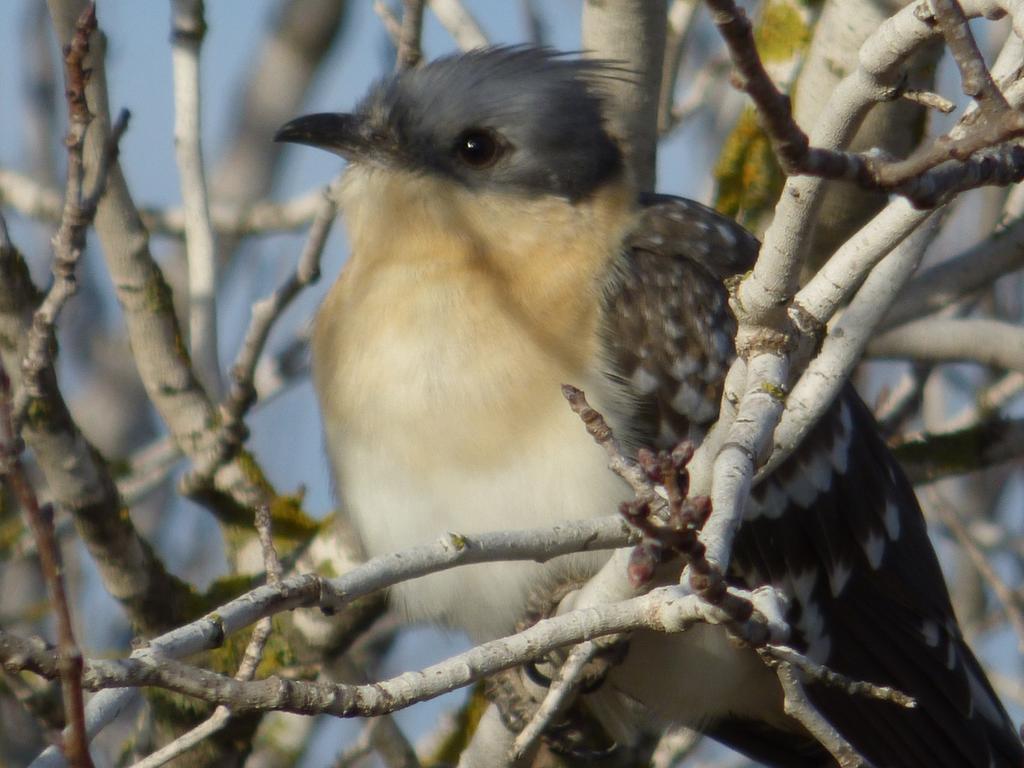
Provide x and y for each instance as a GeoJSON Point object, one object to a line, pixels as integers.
{"type": "Point", "coordinates": [669, 331]}
{"type": "Point", "coordinates": [836, 527]}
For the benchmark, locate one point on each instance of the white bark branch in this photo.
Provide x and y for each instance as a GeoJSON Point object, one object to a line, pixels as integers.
{"type": "Point", "coordinates": [460, 24]}
{"type": "Point", "coordinates": [39, 201]}
{"type": "Point", "coordinates": [188, 30]}
{"type": "Point", "coordinates": [667, 610]}
{"type": "Point", "coordinates": [630, 34]}
{"type": "Point", "coordinates": [827, 373]}
{"type": "Point", "coordinates": [748, 442]}
{"type": "Point", "coordinates": [985, 341]}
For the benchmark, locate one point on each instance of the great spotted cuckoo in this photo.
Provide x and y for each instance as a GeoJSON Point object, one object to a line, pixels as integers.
{"type": "Point", "coordinates": [498, 250]}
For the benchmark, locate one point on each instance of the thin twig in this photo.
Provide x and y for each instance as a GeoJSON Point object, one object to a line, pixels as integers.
{"type": "Point", "coordinates": [674, 525]}
{"type": "Point", "coordinates": [391, 23]}
{"type": "Point", "coordinates": [77, 478]}
{"type": "Point", "coordinates": [148, 470]}
{"type": "Point", "coordinates": [68, 245]}
{"type": "Point", "coordinates": [297, 40]}
{"type": "Point", "coordinates": [104, 708]}
{"type": "Point", "coordinates": [460, 23]}
{"type": "Point", "coordinates": [265, 313]}
{"type": "Point", "coordinates": [40, 518]}
{"type": "Point", "coordinates": [988, 402]}
{"type": "Point", "coordinates": [929, 99]}
{"type": "Point", "coordinates": [898, 404]}
{"type": "Point", "coordinates": [975, 78]}
{"type": "Point", "coordinates": [977, 267]}
{"type": "Point", "coordinates": [187, 741]}
{"type": "Point", "coordinates": [558, 697]}
{"type": "Point", "coordinates": [78, 212]}
{"type": "Point", "coordinates": [704, 88]}
{"type": "Point", "coordinates": [928, 177]}
{"type": "Point", "coordinates": [1004, 594]}
{"type": "Point", "coordinates": [309, 590]}
{"type": "Point", "coordinates": [409, 52]}
{"type": "Point", "coordinates": [602, 434]}
{"type": "Point", "coordinates": [825, 375]}
{"type": "Point", "coordinates": [778, 654]}
{"type": "Point", "coordinates": [662, 610]}
{"type": "Point", "coordinates": [680, 22]}
{"type": "Point", "coordinates": [246, 669]}
{"type": "Point", "coordinates": [355, 753]}
{"type": "Point", "coordinates": [799, 707]}
{"type": "Point", "coordinates": [275, 375]}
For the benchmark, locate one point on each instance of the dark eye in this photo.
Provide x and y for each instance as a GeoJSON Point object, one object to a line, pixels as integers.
{"type": "Point", "coordinates": [478, 147]}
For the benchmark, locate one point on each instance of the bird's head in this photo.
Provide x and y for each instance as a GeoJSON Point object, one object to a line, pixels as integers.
{"type": "Point", "coordinates": [493, 171]}
{"type": "Point", "coordinates": [515, 120]}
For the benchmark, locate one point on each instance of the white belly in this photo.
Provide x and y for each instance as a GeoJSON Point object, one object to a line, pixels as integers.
{"type": "Point", "coordinates": [398, 499]}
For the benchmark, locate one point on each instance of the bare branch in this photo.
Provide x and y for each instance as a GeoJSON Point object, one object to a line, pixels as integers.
{"type": "Point", "coordinates": [939, 286]}
{"type": "Point", "coordinates": [378, 573]}
{"type": "Point", "coordinates": [631, 33]}
{"type": "Point", "coordinates": [188, 28]}
{"type": "Point", "coordinates": [680, 20]}
{"type": "Point", "coordinates": [826, 374]}
{"type": "Point", "coordinates": [40, 518]}
{"type": "Point", "coordinates": [869, 170]}
{"type": "Point", "coordinates": [104, 707]}
{"type": "Point", "coordinates": [265, 313]}
{"type": "Point", "coordinates": [246, 670]}
{"type": "Point", "coordinates": [775, 654]}
{"type": "Point", "coordinates": [935, 455]}
{"type": "Point", "coordinates": [409, 52]}
{"type": "Point", "coordinates": [662, 610]}
{"type": "Point", "coordinates": [749, 440]}
{"type": "Point", "coordinates": [153, 331]}
{"type": "Point", "coordinates": [618, 462]}
{"type": "Point", "coordinates": [928, 99]}
{"type": "Point", "coordinates": [975, 339]}
{"type": "Point", "coordinates": [799, 707]}
{"type": "Point", "coordinates": [833, 284]}
{"type": "Point", "coordinates": [391, 23]}
{"type": "Point", "coordinates": [989, 401]}
{"type": "Point", "coordinates": [382, 733]}
{"type": "Point", "coordinates": [78, 480]}
{"type": "Point", "coordinates": [189, 740]}
{"type": "Point", "coordinates": [974, 75]}
{"type": "Point", "coordinates": [460, 23]}
{"type": "Point", "coordinates": [37, 201]}
{"type": "Point", "coordinates": [78, 212]}
{"type": "Point", "coordinates": [558, 698]}
{"type": "Point", "coordinates": [1007, 598]}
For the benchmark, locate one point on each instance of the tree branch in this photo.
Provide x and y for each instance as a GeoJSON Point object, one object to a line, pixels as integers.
{"type": "Point", "coordinates": [631, 34]}
{"type": "Point", "coordinates": [409, 51]}
{"type": "Point", "coordinates": [188, 28]}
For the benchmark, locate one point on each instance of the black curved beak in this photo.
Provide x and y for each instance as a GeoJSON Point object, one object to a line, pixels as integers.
{"type": "Point", "coordinates": [343, 134]}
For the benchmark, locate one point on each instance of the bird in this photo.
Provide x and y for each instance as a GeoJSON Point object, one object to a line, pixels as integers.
{"type": "Point", "coordinates": [499, 248]}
